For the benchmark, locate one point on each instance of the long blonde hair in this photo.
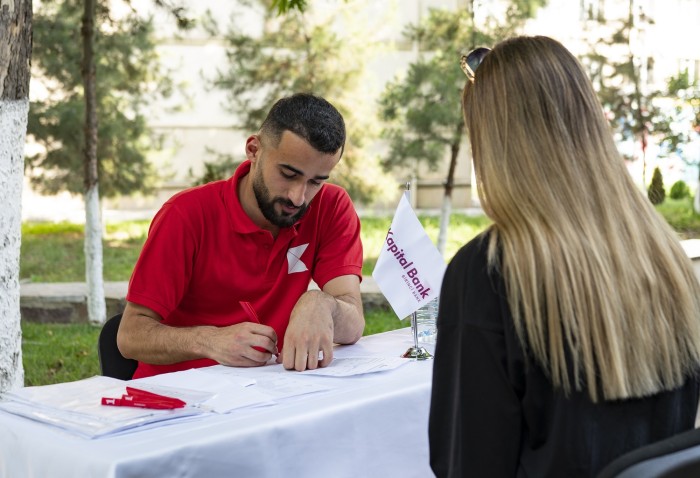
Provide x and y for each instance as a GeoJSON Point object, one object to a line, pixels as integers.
{"type": "Point", "coordinates": [600, 289]}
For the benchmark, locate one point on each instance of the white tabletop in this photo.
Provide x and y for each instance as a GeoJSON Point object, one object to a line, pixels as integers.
{"type": "Point", "coordinates": [373, 425]}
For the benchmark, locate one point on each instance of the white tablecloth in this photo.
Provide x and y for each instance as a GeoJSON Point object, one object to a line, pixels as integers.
{"type": "Point", "coordinates": [372, 425]}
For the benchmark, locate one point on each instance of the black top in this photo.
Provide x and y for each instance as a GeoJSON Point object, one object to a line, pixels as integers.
{"type": "Point", "coordinates": [494, 413]}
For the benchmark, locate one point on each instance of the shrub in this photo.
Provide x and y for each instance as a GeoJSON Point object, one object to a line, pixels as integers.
{"type": "Point", "coordinates": [679, 190]}
{"type": "Point", "coordinates": [656, 192]}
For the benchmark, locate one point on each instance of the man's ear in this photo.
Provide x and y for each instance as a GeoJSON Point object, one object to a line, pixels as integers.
{"type": "Point", "coordinates": [253, 147]}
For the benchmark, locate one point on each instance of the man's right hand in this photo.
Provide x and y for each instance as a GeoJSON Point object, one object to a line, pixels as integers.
{"type": "Point", "coordinates": [243, 345]}
{"type": "Point", "coordinates": [142, 336]}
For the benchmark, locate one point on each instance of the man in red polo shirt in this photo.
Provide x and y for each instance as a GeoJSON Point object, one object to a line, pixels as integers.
{"type": "Point", "coordinates": [261, 237]}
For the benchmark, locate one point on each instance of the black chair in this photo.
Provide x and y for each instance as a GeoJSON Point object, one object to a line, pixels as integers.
{"type": "Point", "coordinates": [112, 362]}
{"type": "Point", "coordinates": [677, 456]}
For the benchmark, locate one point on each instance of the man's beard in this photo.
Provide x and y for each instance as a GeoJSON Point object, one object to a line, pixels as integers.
{"type": "Point", "coordinates": [267, 205]}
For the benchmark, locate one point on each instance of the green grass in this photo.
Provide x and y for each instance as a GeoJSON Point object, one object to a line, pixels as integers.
{"type": "Point", "coordinates": [680, 215]}
{"type": "Point", "coordinates": [54, 252]}
{"type": "Point", "coordinates": [56, 353]}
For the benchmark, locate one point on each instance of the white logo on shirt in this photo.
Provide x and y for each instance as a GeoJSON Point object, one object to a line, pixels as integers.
{"type": "Point", "coordinates": [294, 263]}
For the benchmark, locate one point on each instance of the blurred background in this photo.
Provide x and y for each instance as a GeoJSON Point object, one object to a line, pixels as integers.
{"type": "Point", "coordinates": [181, 85]}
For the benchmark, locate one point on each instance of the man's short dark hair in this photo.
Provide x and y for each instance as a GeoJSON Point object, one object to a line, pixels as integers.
{"type": "Point", "coordinates": [311, 117]}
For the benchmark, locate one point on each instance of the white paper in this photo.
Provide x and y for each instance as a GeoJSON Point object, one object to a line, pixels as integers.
{"type": "Point", "coordinates": [273, 381]}
{"type": "Point", "coordinates": [76, 407]}
{"type": "Point", "coordinates": [344, 367]}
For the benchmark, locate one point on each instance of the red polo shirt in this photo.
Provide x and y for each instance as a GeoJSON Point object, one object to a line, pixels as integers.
{"type": "Point", "coordinates": [204, 254]}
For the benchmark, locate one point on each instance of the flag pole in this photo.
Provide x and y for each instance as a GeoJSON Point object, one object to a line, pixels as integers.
{"type": "Point", "coordinates": [416, 352]}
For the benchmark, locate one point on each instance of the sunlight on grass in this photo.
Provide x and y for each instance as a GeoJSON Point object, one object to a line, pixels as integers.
{"type": "Point", "coordinates": [54, 252]}
{"type": "Point", "coordinates": [55, 353]}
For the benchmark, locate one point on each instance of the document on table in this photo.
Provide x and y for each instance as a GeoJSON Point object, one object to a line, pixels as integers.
{"type": "Point", "coordinates": [344, 367]}
{"type": "Point", "coordinates": [76, 407]}
{"type": "Point", "coordinates": [225, 395]}
{"type": "Point", "coordinates": [234, 388]}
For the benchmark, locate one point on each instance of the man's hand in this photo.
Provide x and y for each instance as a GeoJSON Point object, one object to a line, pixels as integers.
{"type": "Point", "coordinates": [320, 319]}
{"type": "Point", "coordinates": [310, 333]}
{"type": "Point", "coordinates": [243, 345]}
{"type": "Point", "coordinates": [143, 337]}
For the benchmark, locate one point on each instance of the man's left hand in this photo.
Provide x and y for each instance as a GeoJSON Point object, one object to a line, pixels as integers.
{"type": "Point", "coordinates": [308, 342]}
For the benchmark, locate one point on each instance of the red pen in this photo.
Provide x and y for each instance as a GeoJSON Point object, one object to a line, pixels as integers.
{"type": "Point", "coordinates": [144, 395]}
{"type": "Point", "coordinates": [135, 397]}
{"type": "Point", "coordinates": [139, 403]}
{"type": "Point", "coordinates": [248, 308]}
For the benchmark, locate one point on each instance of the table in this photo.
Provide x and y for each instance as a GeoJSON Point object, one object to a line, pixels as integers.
{"type": "Point", "coordinates": [373, 425]}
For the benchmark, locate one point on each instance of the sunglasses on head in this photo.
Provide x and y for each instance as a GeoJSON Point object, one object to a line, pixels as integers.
{"type": "Point", "coordinates": [471, 62]}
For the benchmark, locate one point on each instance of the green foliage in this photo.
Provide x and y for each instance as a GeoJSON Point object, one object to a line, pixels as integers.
{"type": "Point", "coordinates": [129, 80]}
{"type": "Point", "coordinates": [656, 191]}
{"type": "Point", "coordinates": [679, 190]}
{"type": "Point", "coordinates": [301, 52]}
{"type": "Point", "coordinates": [684, 118]}
{"type": "Point", "coordinates": [283, 6]}
{"type": "Point", "coordinates": [632, 113]}
{"type": "Point", "coordinates": [422, 112]}
{"type": "Point", "coordinates": [681, 216]}
{"type": "Point", "coordinates": [221, 168]}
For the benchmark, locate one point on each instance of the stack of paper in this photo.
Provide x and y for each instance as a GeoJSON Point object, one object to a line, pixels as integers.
{"type": "Point", "coordinates": [76, 406]}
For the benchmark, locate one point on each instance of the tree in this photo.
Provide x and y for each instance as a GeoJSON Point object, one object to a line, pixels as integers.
{"type": "Point", "coordinates": [284, 6]}
{"type": "Point", "coordinates": [15, 59]}
{"type": "Point", "coordinates": [79, 156]}
{"type": "Point", "coordinates": [422, 112]}
{"type": "Point", "coordinates": [97, 307]}
{"type": "Point", "coordinates": [656, 191]}
{"type": "Point", "coordinates": [618, 66]}
{"type": "Point", "coordinates": [684, 122]}
{"type": "Point", "coordinates": [301, 52]}
{"type": "Point", "coordinates": [130, 81]}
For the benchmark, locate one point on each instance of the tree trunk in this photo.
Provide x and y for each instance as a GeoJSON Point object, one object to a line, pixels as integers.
{"type": "Point", "coordinates": [446, 210]}
{"type": "Point", "coordinates": [640, 128]}
{"type": "Point", "coordinates": [97, 310]}
{"type": "Point", "coordinates": [15, 58]}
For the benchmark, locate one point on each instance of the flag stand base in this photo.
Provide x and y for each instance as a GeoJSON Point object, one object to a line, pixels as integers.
{"type": "Point", "coordinates": [417, 353]}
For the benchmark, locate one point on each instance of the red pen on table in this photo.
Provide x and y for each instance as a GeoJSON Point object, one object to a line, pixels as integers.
{"type": "Point", "coordinates": [146, 395]}
{"type": "Point", "coordinates": [248, 308]}
{"type": "Point", "coordinates": [144, 399]}
{"type": "Point", "coordinates": [125, 402]}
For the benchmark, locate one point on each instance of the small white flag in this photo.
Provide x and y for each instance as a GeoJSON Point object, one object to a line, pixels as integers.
{"type": "Point", "coordinates": [409, 268]}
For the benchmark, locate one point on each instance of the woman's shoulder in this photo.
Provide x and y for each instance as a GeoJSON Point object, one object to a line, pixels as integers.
{"type": "Point", "coordinates": [475, 252]}
{"type": "Point", "coordinates": [473, 286]}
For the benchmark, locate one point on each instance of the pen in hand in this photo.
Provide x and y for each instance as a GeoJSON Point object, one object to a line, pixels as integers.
{"type": "Point", "coordinates": [248, 308]}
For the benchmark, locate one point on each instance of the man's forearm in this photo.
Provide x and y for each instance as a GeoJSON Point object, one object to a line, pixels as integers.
{"type": "Point", "coordinates": [348, 319]}
{"type": "Point", "coordinates": [142, 337]}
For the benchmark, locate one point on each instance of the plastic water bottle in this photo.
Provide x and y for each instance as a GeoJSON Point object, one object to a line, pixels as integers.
{"type": "Point", "coordinates": [426, 321]}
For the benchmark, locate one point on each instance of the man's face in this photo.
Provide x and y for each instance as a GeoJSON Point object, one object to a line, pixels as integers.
{"type": "Point", "coordinates": [287, 177]}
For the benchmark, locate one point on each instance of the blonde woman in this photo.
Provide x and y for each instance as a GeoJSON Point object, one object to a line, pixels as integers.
{"type": "Point", "coordinates": [569, 331]}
